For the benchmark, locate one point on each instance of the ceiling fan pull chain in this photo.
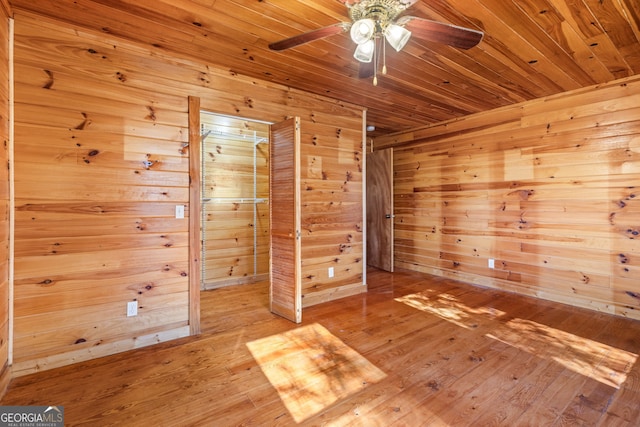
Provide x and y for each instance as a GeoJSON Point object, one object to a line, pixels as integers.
{"type": "Point", "coordinates": [384, 57]}
{"type": "Point", "coordinates": [375, 63]}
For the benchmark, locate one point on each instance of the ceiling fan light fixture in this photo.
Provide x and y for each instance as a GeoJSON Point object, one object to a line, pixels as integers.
{"type": "Point", "coordinates": [371, 20]}
{"type": "Point", "coordinates": [397, 36]}
{"type": "Point", "coordinates": [362, 30]}
{"type": "Point", "coordinates": [364, 51]}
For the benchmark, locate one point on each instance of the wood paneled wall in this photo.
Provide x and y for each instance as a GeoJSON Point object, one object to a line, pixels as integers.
{"type": "Point", "coordinates": [102, 160]}
{"type": "Point", "coordinates": [549, 189]}
{"type": "Point", "coordinates": [5, 371]}
{"type": "Point", "coordinates": [331, 184]}
{"type": "Point", "coordinates": [99, 169]}
{"type": "Point", "coordinates": [332, 166]}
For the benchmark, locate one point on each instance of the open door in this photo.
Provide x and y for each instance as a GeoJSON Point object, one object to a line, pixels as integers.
{"type": "Point", "coordinates": [284, 212]}
{"type": "Point", "coordinates": [380, 209]}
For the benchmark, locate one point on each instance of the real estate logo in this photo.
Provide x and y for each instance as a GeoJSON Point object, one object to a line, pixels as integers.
{"type": "Point", "coordinates": [31, 416]}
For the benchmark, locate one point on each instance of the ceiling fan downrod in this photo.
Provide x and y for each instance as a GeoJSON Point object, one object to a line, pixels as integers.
{"type": "Point", "coordinates": [381, 11]}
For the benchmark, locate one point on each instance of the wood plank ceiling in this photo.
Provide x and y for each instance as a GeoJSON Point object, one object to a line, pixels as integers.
{"type": "Point", "coordinates": [531, 48]}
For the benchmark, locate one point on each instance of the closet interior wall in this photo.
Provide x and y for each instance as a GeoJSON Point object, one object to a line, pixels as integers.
{"type": "Point", "coordinates": [235, 200]}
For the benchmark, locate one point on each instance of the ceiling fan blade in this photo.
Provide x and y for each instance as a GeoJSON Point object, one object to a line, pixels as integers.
{"type": "Point", "coordinates": [310, 36]}
{"type": "Point", "coordinates": [440, 32]}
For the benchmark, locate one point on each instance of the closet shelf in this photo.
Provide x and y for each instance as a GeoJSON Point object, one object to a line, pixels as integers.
{"type": "Point", "coordinates": [234, 200]}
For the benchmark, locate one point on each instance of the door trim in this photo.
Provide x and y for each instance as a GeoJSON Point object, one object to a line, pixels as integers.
{"type": "Point", "coordinates": [195, 207]}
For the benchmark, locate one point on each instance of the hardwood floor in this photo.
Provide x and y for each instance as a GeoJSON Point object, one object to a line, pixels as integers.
{"type": "Point", "coordinates": [415, 350]}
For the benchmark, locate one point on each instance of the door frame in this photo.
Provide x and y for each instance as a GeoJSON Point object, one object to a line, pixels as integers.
{"type": "Point", "coordinates": [194, 149]}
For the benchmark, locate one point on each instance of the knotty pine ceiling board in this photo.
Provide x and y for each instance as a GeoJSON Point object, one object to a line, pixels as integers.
{"type": "Point", "coordinates": [531, 48]}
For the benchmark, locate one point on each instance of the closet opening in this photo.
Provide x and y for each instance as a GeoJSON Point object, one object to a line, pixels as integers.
{"type": "Point", "coordinates": [235, 200]}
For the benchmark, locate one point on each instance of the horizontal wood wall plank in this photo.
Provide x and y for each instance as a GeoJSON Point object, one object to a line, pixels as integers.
{"type": "Point", "coordinates": [235, 228]}
{"type": "Point", "coordinates": [87, 353]}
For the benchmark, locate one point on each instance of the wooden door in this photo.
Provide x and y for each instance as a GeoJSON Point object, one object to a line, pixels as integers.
{"type": "Point", "coordinates": [380, 209]}
{"type": "Point", "coordinates": [284, 214]}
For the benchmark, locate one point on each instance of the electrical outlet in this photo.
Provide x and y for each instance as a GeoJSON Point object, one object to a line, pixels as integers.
{"type": "Point", "coordinates": [132, 308]}
{"type": "Point", "coordinates": [492, 263]}
{"type": "Point", "coordinates": [330, 271]}
{"type": "Point", "coordinates": [179, 211]}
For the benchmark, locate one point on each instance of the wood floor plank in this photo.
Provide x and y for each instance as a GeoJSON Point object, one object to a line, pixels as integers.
{"type": "Point", "coordinates": [449, 354]}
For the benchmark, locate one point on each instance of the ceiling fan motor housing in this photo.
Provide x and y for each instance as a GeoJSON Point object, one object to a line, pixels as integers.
{"type": "Point", "coordinates": [382, 12]}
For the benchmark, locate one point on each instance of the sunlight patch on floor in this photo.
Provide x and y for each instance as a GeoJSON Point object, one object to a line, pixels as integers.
{"type": "Point", "coordinates": [594, 359]}
{"type": "Point", "coordinates": [312, 369]}
{"type": "Point", "coordinates": [446, 307]}
{"type": "Point", "coordinates": [590, 358]}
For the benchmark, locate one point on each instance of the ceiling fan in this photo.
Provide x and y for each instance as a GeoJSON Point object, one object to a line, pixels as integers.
{"type": "Point", "coordinates": [374, 21]}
